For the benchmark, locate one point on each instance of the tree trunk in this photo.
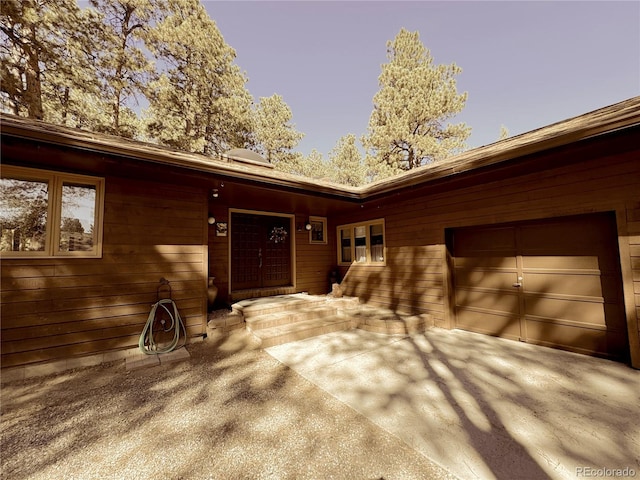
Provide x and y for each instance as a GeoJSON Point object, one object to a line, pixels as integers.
{"type": "Point", "coordinates": [33, 92]}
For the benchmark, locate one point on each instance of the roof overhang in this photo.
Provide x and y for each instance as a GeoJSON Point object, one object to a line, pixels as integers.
{"type": "Point", "coordinates": [609, 119]}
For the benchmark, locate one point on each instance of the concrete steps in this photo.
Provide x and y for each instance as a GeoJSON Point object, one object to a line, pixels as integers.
{"type": "Point", "coordinates": [390, 323]}
{"type": "Point", "coordinates": [287, 318]}
{"type": "Point", "coordinates": [301, 329]}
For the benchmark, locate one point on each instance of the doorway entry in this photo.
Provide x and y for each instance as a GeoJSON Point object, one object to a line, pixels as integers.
{"type": "Point", "coordinates": [261, 250]}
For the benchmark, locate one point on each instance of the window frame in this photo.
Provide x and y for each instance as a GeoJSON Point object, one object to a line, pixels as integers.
{"type": "Point", "coordinates": [56, 181]}
{"type": "Point", "coordinates": [351, 227]}
{"type": "Point", "coordinates": [323, 222]}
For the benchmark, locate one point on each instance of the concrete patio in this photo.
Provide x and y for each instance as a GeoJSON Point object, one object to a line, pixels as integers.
{"type": "Point", "coordinates": [483, 407]}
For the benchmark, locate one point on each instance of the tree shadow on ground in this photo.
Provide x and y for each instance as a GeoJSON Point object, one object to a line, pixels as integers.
{"type": "Point", "coordinates": [483, 407]}
{"type": "Point", "coordinates": [230, 411]}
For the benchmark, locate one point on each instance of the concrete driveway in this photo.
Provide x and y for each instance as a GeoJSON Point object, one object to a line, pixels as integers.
{"type": "Point", "coordinates": [484, 407]}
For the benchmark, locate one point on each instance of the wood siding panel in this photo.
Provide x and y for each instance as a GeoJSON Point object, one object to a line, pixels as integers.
{"type": "Point", "coordinates": [419, 220]}
{"type": "Point", "coordinates": [633, 238]}
{"type": "Point", "coordinates": [60, 307]}
{"type": "Point", "coordinates": [314, 261]}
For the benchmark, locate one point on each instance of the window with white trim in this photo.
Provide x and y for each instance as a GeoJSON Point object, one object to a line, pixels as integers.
{"type": "Point", "coordinates": [46, 214]}
{"type": "Point", "coordinates": [361, 243]}
{"type": "Point", "coordinates": [318, 231]}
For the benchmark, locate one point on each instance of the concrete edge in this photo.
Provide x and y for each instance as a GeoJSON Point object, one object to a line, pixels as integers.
{"type": "Point", "coordinates": [24, 372]}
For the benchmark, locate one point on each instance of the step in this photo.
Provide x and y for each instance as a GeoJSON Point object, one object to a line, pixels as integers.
{"type": "Point", "coordinates": [267, 305]}
{"type": "Point", "coordinates": [378, 320]}
{"type": "Point", "coordinates": [225, 323]}
{"type": "Point", "coordinates": [270, 320]}
{"type": "Point", "coordinates": [292, 332]}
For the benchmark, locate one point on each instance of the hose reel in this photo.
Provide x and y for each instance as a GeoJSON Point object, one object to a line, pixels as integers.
{"type": "Point", "coordinates": [161, 333]}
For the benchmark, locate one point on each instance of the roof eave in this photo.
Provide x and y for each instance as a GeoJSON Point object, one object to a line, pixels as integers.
{"type": "Point", "coordinates": [606, 120]}
{"type": "Point", "coordinates": [34, 130]}
{"type": "Point", "coordinates": [621, 115]}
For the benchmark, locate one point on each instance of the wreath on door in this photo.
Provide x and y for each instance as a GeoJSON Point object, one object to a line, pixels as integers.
{"type": "Point", "coordinates": [278, 234]}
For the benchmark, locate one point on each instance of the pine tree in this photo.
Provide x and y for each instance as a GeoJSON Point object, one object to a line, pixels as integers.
{"type": "Point", "coordinates": [34, 37]}
{"type": "Point", "coordinates": [311, 166]}
{"type": "Point", "coordinates": [345, 162]}
{"type": "Point", "coordinates": [407, 127]}
{"type": "Point", "coordinates": [71, 91]}
{"type": "Point", "coordinates": [275, 135]}
{"type": "Point", "coordinates": [198, 102]}
{"type": "Point", "coordinates": [504, 132]}
{"type": "Point", "coordinates": [123, 68]}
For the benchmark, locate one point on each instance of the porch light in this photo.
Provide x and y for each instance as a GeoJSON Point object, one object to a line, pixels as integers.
{"type": "Point", "coordinates": [308, 226]}
{"type": "Point", "coordinates": [211, 220]}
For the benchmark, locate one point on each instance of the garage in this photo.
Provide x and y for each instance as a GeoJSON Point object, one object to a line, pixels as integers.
{"type": "Point", "coordinates": [552, 282]}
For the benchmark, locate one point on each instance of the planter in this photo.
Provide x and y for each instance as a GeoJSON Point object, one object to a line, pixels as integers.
{"type": "Point", "coordinates": [212, 293]}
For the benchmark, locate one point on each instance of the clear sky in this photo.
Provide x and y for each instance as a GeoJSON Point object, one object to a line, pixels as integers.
{"type": "Point", "coordinates": [525, 64]}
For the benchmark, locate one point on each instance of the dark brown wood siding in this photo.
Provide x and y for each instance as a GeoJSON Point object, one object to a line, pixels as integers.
{"type": "Point", "coordinates": [314, 260]}
{"type": "Point", "coordinates": [64, 307]}
{"type": "Point", "coordinates": [577, 180]}
{"type": "Point", "coordinates": [632, 246]}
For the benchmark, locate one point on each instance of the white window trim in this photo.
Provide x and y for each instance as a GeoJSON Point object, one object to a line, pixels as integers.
{"type": "Point", "coordinates": [56, 180]}
{"type": "Point", "coordinates": [323, 221]}
{"type": "Point", "coordinates": [367, 225]}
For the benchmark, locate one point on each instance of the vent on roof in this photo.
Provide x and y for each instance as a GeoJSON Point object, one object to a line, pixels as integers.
{"type": "Point", "coordinates": [245, 155]}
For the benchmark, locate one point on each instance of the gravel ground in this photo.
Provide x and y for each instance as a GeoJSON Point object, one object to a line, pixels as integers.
{"type": "Point", "coordinates": [230, 412]}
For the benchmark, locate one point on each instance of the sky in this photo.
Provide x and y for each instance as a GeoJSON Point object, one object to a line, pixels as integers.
{"type": "Point", "coordinates": [524, 64]}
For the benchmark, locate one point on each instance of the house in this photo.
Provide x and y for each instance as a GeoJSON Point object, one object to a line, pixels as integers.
{"type": "Point", "coordinates": [535, 238]}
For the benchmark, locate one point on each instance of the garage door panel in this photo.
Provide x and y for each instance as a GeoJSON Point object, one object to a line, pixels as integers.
{"type": "Point", "coordinates": [581, 312]}
{"type": "Point", "coordinates": [570, 295]}
{"type": "Point", "coordinates": [505, 326]}
{"type": "Point", "coordinates": [500, 302]}
{"type": "Point", "coordinates": [485, 240]}
{"type": "Point", "coordinates": [588, 285]}
{"type": "Point", "coordinates": [574, 235]}
{"type": "Point", "coordinates": [486, 262]}
{"type": "Point", "coordinates": [568, 337]}
{"type": "Point", "coordinates": [562, 262]}
{"type": "Point", "coordinates": [485, 279]}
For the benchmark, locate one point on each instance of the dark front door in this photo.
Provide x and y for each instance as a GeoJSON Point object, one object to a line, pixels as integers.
{"type": "Point", "coordinates": [260, 251]}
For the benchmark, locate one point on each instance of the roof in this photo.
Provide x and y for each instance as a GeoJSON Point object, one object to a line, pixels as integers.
{"type": "Point", "coordinates": [615, 117]}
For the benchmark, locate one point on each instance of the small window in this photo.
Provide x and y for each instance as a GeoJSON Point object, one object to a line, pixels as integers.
{"type": "Point", "coordinates": [48, 214]}
{"type": "Point", "coordinates": [318, 232]}
{"type": "Point", "coordinates": [345, 245]}
{"type": "Point", "coordinates": [361, 243]}
{"type": "Point", "coordinates": [376, 238]}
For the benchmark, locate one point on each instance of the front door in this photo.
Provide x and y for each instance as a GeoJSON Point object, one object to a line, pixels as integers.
{"type": "Point", "coordinates": [260, 251]}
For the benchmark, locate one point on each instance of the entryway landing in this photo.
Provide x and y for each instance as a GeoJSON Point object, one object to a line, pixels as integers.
{"type": "Point", "coordinates": [286, 318]}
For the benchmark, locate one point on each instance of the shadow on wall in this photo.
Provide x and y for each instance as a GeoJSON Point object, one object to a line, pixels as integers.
{"type": "Point", "coordinates": [411, 282]}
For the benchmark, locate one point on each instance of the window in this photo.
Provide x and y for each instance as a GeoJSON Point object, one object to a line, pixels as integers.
{"type": "Point", "coordinates": [47, 214]}
{"type": "Point", "coordinates": [318, 232]}
{"type": "Point", "coordinates": [361, 243]}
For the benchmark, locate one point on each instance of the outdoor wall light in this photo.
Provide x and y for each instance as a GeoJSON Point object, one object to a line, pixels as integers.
{"type": "Point", "coordinates": [215, 193]}
{"type": "Point", "coordinates": [211, 220]}
{"type": "Point", "coordinates": [308, 226]}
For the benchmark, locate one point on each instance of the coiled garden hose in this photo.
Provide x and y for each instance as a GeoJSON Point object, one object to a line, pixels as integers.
{"type": "Point", "coordinates": [147, 343]}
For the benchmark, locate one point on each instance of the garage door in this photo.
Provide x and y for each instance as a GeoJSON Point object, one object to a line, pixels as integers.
{"type": "Point", "coordinates": [554, 282]}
